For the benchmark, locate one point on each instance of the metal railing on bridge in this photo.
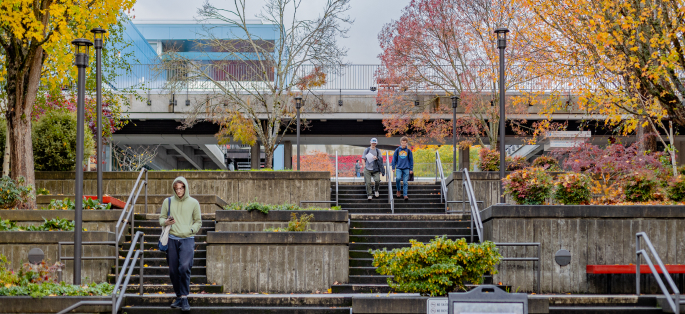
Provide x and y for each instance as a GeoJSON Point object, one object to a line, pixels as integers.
{"type": "Point", "coordinates": [182, 78]}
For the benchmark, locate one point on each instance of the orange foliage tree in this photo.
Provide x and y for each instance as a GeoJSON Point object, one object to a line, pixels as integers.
{"type": "Point", "coordinates": [449, 47]}
{"type": "Point", "coordinates": [316, 161]}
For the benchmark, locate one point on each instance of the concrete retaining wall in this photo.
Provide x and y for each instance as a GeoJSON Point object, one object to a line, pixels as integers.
{"type": "Point", "coordinates": [15, 245]}
{"type": "Point", "coordinates": [93, 220]}
{"type": "Point", "coordinates": [277, 262]}
{"type": "Point", "coordinates": [268, 187]}
{"type": "Point", "coordinates": [240, 220]}
{"type": "Point", "coordinates": [26, 304]}
{"type": "Point", "coordinates": [208, 203]}
{"type": "Point", "coordinates": [594, 235]}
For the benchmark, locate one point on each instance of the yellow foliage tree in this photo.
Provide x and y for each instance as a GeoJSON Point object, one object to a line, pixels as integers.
{"type": "Point", "coordinates": [624, 58]}
{"type": "Point", "coordinates": [36, 50]}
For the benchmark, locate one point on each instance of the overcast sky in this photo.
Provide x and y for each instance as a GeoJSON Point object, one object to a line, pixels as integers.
{"type": "Point", "coordinates": [369, 16]}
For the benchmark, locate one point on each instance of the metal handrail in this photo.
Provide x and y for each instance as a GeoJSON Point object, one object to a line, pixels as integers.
{"type": "Point", "coordinates": [336, 178]}
{"type": "Point", "coordinates": [443, 186]}
{"type": "Point", "coordinates": [128, 210]}
{"type": "Point", "coordinates": [118, 297]}
{"type": "Point", "coordinates": [475, 213]}
{"type": "Point", "coordinates": [388, 175]}
{"type": "Point", "coordinates": [673, 303]}
{"type": "Point", "coordinates": [477, 223]}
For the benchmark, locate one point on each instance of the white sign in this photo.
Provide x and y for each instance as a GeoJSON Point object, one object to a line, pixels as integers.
{"type": "Point", "coordinates": [564, 143]}
{"type": "Point", "coordinates": [436, 306]}
{"type": "Point", "coordinates": [487, 308]}
{"type": "Point", "coordinates": [567, 134]}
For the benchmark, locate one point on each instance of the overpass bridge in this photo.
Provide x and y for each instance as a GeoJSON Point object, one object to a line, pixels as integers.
{"type": "Point", "coordinates": [350, 117]}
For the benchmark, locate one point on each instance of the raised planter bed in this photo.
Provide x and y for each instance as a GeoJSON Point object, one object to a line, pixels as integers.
{"type": "Point", "coordinates": [277, 262]}
{"type": "Point", "coordinates": [594, 235]}
{"type": "Point", "coordinates": [93, 220]}
{"type": "Point", "coordinates": [268, 187]}
{"type": "Point", "coordinates": [26, 304]}
{"type": "Point", "coordinates": [242, 220]}
{"type": "Point", "coordinates": [208, 203]}
{"type": "Point", "coordinates": [15, 245]}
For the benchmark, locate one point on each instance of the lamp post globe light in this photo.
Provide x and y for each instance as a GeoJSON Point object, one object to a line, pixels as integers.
{"type": "Point", "coordinates": [501, 45]}
{"type": "Point", "coordinates": [82, 47]}
{"type": "Point", "coordinates": [99, 35]}
{"type": "Point", "coordinates": [455, 104]}
{"type": "Point", "coordinates": [298, 105]}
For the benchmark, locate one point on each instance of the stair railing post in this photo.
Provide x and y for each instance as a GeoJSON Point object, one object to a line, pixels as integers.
{"type": "Point", "coordinates": [336, 178]}
{"type": "Point", "coordinates": [637, 264]}
{"type": "Point", "coordinates": [146, 192]}
{"type": "Point", "coordinates": [142, 261]}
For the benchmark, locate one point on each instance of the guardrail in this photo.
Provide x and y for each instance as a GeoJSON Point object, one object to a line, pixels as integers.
{"type": "Point", "coordinates": [182, 78]}
{"type": "Point", "coordinates": [120, 288]}
{"type": "Point", "coordinates": [673, 303]}
{"type": "Point", "coordinates": [477, 223]}
{"type": "Point", "coordinates": [388, 176]}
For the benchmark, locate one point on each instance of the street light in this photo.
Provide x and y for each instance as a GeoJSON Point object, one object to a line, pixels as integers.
{"type": "Point", "coordinates": [501, 45]}
{"type": "Point", "coordinates": [82, 46]}
{"type": "Point", "coordinates": [99, 35]}
{"type": "Point", "coordinates": [298, 105]}
{"type": "Point", "coordinates": [455, 104]}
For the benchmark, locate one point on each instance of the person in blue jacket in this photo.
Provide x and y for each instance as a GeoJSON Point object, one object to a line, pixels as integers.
{"type": "Point", "coordinates": [403, 161]}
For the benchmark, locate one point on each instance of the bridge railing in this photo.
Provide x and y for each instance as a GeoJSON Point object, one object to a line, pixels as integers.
{"type": "Point", "coordinates": [357, 77]}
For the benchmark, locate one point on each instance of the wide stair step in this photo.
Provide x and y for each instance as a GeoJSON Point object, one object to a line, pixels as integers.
{"type": "Point", "coordinates": [254, 303]}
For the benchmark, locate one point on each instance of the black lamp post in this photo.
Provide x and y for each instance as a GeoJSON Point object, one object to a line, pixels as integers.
{"type": "Point", "coordinates": [298, 105]}
{"type": "Point", "coordinates": [501, 45]}
{"type": "Point", "coordinates": [82, 46]}
{"type": "Point", "coordinates": [455, 104]}
{"type": "Point", "coordinates": [99, 35]}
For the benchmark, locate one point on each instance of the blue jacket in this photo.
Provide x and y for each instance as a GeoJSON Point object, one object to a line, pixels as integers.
{"type": "Point", "coordinates": [403, 159]}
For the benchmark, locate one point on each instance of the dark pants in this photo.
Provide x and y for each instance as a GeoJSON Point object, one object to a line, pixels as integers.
{"type": "Point", "coordinates": [179, 256]}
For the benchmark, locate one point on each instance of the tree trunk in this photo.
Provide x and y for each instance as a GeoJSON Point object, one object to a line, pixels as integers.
{"type": "Point", "coordinates": [23, 77]}
{"type": "Point", "coordinates": [6, 157]}
{"type": "Point", "coordinates": [268, 157]}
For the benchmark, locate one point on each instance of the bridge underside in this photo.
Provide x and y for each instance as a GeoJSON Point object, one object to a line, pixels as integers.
{"type": "Point", "coordinates": [197, 147]}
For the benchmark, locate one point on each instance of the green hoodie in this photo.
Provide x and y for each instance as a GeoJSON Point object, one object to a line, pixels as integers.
{"type": "Point", "coordinates": [185, 210]}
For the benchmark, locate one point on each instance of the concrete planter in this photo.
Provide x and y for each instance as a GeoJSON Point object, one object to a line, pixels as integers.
{"type": "Point", "coordinates": [15, 245]}
{"type": "Point", "coordinates": [269, 187]}
{"type": "Point", "coordinates": [26, 304]}
{"type": "Point", "coordinates": [208, 203]}
{"type": "Point", "coordinates": [242, 220]}
{"type": "Point", "coordinates": [93, 220]}
{"type": "Point", "coordinates": [277, 262]}
{"type": "Point", "coordinates": [594, 235]}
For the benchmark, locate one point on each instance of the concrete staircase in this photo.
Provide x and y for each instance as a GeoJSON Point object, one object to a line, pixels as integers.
{"type": "Point", "coordinates": [372, 226]}
{"type": "Point", "coordinates": [423, 199]}
{"type": "Point", "coordinates": [156, 274]}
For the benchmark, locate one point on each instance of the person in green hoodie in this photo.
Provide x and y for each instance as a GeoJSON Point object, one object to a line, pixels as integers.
{"type": "Point", "coordinates": [185, 221]}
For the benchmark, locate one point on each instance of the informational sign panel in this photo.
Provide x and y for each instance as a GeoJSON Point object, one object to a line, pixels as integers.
{"type": "Point", "coordinates": [437, 306]}
{"type": "Point", "coordinates": [487, 299]}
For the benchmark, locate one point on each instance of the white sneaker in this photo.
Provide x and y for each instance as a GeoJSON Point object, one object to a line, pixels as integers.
{"type": "Point", "coordinates": [370, 197]}
{"type": "Point", "coordinates": [377, 194]}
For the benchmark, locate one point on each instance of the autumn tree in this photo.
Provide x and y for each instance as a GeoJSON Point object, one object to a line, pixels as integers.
{"type": "Point", "coordinates": [257, 77]}
{"type": "Point", "coordinates": [449, 47]}
{"type": "Point", "coordinates": [625, 58]}
{"type": "Point", "coordinates": [36, 50]}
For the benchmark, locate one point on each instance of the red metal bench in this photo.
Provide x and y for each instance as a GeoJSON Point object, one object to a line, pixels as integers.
{"type": "Point", "coordinates": [630, 269]}
{"type": "Point", "coordinates": [116, 203]}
